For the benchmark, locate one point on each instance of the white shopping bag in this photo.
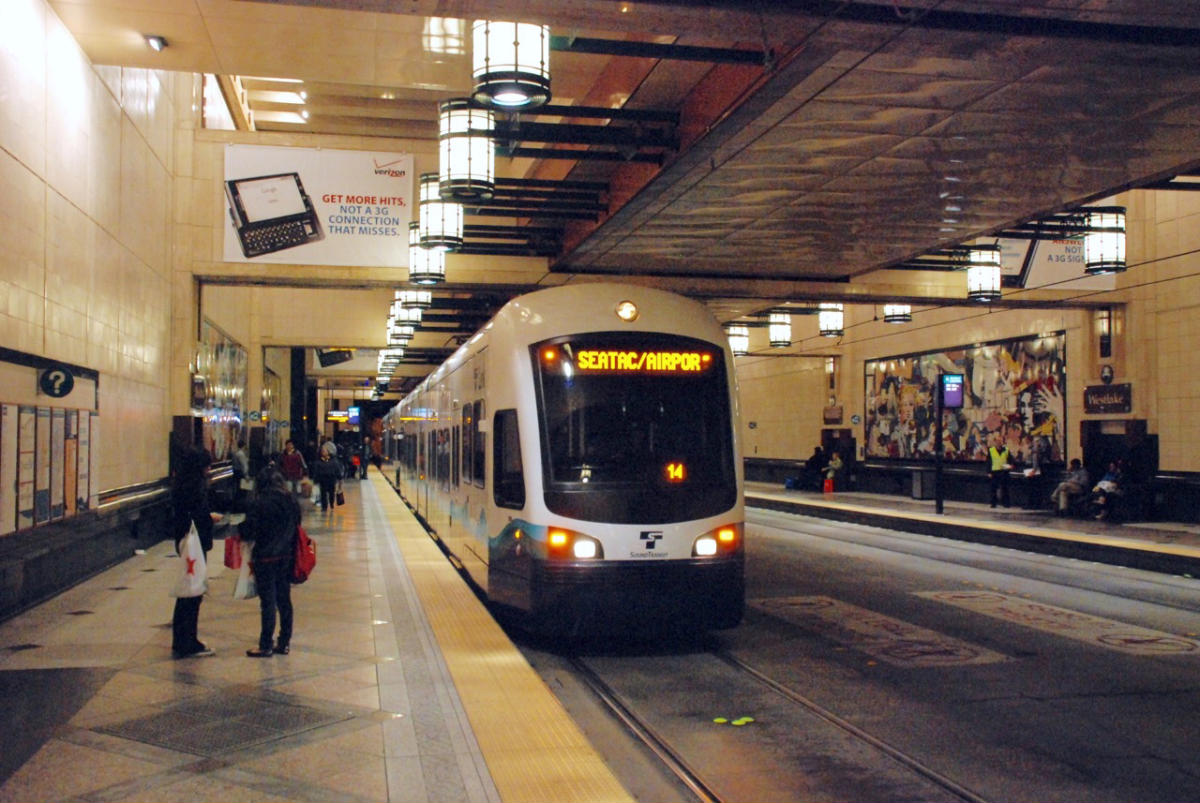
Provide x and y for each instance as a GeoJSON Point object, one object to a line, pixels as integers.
{"type": "Point", "coordinates": [245, 587]}
{"type": "Point", "coordinates": [193, 571]}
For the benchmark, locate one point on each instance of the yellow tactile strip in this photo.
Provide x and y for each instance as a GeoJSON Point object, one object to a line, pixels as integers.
{"type": "Point", "coordinates": [533, 749]}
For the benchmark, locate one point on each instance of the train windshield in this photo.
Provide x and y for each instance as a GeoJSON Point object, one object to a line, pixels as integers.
{"type": "Point", "coordinates": [635, 427]}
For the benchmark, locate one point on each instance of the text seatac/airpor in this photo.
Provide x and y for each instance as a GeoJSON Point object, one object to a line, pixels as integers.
{"type": "Point", "coordinates": [667, 361]}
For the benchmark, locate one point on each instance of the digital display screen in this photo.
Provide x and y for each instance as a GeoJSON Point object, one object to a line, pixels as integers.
{"type": "Point", "coordinates": [338, 416]}
{"type": "Point", "coordinates": [636, 361]}
{"type": "Point", "coordinates": [952, 391]}
{"type": "Point", "coordinates": [270, 197]}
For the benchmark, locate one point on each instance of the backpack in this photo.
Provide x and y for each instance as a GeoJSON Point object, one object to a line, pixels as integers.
{"type": "Point", "coordinates": [306, 556]}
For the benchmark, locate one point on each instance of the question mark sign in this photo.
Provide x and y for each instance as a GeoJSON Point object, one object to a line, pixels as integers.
{"type": "Point", "coordinates": [57, 382]}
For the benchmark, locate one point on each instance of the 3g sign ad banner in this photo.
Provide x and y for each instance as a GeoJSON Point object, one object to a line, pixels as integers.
{"type": "Point", "coordinates": [305, 206]}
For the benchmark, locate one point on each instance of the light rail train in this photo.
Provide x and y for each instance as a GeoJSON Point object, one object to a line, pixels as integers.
{"type": "Point", "coordinates": [579, 456]}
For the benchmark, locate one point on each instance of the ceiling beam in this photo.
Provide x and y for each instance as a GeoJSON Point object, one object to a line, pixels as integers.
{"type": "Point", "coordinates": [654, 50]}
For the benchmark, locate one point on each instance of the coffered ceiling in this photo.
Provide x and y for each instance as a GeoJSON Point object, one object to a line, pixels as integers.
{"type": "Point", "coordinates": [864, 133]}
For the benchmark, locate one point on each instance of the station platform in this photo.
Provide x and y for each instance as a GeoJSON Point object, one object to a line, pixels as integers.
{"type": "Point", "coordinates": [399, 686]}
{"type": "Point", "coordinates": [1156, 546]}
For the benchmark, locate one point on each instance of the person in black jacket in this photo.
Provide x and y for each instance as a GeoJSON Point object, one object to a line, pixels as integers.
{"type": "Point", "coordinates": [190, 505]}
{"type": "Point", "coordinates": [327, 473]}
{"type": "Point", "coordinates": [270, 525]}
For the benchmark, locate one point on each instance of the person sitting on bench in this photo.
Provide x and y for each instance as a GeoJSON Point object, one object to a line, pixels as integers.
{"type": "Point", "coordinates": [1074, 485]}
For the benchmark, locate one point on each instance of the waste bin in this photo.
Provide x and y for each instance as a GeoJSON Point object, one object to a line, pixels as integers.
{"type": "Point", "coordinates": [922, 483]}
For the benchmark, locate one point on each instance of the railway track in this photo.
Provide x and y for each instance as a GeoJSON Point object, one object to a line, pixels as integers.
{"type": "Point", "coordinates": [706, 789]}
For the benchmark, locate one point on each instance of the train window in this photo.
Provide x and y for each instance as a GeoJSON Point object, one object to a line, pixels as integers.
{"type": "Point", "coordinates": [480, 439]}
{"type": "Point", "coordinates": [635, 427]}
{"type": "Point", "coordinates": [508, 476]}
{"type": "Point", "coordinates": [468, 442]}
{"type": "Point", "coordinates": [456, 432]}
{"type": "Point", "coordinates": [443, 458]}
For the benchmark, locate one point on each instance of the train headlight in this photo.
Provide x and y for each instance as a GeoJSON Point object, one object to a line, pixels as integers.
{"type": "Point", "coordinates": [562, 543]}
{"type": "Point", "coordinates": [724, 540]}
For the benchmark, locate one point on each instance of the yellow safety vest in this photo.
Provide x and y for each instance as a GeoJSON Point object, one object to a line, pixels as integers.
{"type": "Point", "coordinates": [999, 457]}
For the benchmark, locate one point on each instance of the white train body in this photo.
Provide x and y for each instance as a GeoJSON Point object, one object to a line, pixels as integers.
{"type": "Point", "coordinates": [583, 466]}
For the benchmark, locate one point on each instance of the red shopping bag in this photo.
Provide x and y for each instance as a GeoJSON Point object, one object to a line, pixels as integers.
{"type": "Point", "coordinates": [829, 485]}
{"type": "Point", "coordinates": [233, 552]}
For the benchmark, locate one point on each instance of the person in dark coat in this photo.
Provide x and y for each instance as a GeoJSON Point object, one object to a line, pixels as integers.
{"type": "Point", "coordinates": [270, 525]}
{"type": "Point", "coordinates": [190, 505]}
{"type": "Point", "coordinates": [327, 472]}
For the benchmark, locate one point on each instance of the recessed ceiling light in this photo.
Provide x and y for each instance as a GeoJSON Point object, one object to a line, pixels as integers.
{"type": "Point", "coordinates": [157, 43]}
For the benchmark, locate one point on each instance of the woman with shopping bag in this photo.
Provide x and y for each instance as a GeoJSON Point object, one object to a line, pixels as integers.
{"type": "Point", "coordinates": [192, 525]}
{"type": "Point", "coordinates": [270, 526]}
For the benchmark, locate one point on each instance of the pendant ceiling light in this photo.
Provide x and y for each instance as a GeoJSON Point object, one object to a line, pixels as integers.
{"type": "Point", "coordinates": [779, 330]}
{"type": "Point", "coordinates": [398, 334]}
{"type": "Point", "coordinates": [1104, 242]}
{"type": "Point", "coordinates": [415, 299]}
{"type": "Point", "coordinates": [466, 151]}
{"type": "Point", "coordinates": [739, 339]}
{"type": "Point", "coordinates": [897, 313]}
{"type": "Point", "coordinates": [441, 221]}
{"type": "Point", "coordinates": [831, 320]}
{"type": "Point", "coordinates": [983, 273]}
{"type": "Point", "coordinates": [409, 315]}
{"type": "Point", "coordinates": [425, 265]}
{"type": "Point", "coordinates": [511, 64]}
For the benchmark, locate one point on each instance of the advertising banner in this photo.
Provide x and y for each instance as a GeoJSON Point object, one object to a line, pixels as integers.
{"type": "Point", "coordinates": [307, 206]}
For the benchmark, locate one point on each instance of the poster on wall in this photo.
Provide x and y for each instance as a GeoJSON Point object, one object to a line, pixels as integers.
{"type": "Point", "coordinates": [70, 466]}
{"type": "Point", "coordinates": [310, 206]}
{"type": "Point", "coordinates": [84, 460]}
{"type": "Point", "coordinates": [58, 441]}
{"type": "Point", "coordinates": [8, 468]}
{"type": "Point", "coordinates": [1049, 263]}
{"type": "Point", "coordinates": [26, 446]}
{"type": "Point", "coordinates": [1013, 393]}
{"type": "Point", "coordinates": [94, 461]}
{"type": "Point", "coordinates": [41, 466]}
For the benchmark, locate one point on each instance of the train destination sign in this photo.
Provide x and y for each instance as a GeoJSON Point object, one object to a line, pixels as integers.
{"type": "Point", "coordinates": [638, 361]}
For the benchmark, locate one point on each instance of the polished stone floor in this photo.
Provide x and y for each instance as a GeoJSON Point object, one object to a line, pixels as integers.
{"type": "Point", "coordinates": [94, 708]}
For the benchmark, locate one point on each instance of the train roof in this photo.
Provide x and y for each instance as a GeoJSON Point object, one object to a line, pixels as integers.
{"type": "Point", "coordinates": [588, 307]}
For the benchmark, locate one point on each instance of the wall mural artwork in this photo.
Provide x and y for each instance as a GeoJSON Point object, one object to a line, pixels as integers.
{"type": "Point", "coordinates": [1014, 391]}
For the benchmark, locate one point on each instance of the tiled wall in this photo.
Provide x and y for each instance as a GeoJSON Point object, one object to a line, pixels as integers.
{"type": "Point", "coordinates": [86, 162]}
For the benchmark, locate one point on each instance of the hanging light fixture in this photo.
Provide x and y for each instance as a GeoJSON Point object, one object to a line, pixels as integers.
{"type": "Point", "coordinates": [415, 299]}
{"type": "Point", "coordinates": [398, 334]}
{"type": "Point", "coordinates": [739, 339]}
{"type": "Point", "coordinates": [510, 64]}
{"type": "Point", "coordinates": [441, 222]}
{"type": "Point", "coordinates": [830, 320]}
{"type": "Point", "coordinates": [779, 330]}
{"type": "Point", "coordinates": [467, 152]}
{"type": "Point", "coordinates": [425, 265]}
{"type": "Point", "coordinates": [1104, 242]}
{"type": "Point", "coordinates": [983, 273]}
{"type": "Point", "coordinates": [897, 313]}
{"type": "Point", "coordinates": [408, 315]}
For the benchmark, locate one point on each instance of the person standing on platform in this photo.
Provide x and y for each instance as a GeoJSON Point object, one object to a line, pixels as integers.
{"type": "Point", "coordinates": [190, 505]}
{"type": "Point", "coordinates": [999, 466]}
{"type": "Point", "coordinates": [270, 525]}
{"type": "Point", "coordinates": [292, 465]}
{"type": "Point", "coordinates": [326, 473]}
{"type": "Point", "coordinates": [814, 468]}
